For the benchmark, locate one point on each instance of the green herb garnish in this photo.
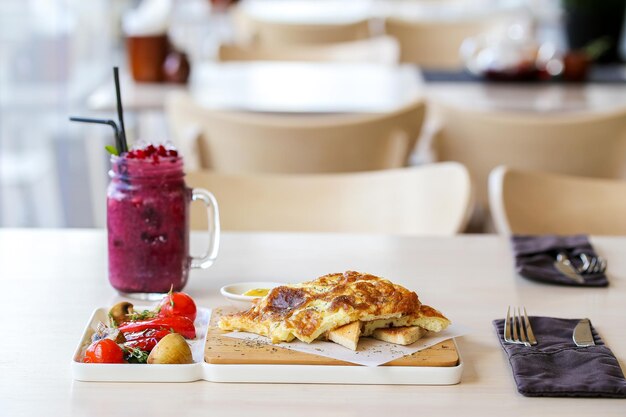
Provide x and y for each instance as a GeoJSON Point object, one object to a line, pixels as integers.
{"type": "Point", "coordinates": [142, 315]}
{"type": "Point", "coordinates": [135, 355]}
{"type": "Point", "coordinates": [112, 150]}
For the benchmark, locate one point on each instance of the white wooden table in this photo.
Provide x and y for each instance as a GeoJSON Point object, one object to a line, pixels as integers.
{"type": "Point", "coordinates": [305, 87]}
{"type": "Point", "coordinates": [538, 98]}
{"type": "Point", "coordinates": [283, 87]}
{"type": "Point", "coordinates": [52, 280]}
{"type": "Point", "coordinates": [353, 87]}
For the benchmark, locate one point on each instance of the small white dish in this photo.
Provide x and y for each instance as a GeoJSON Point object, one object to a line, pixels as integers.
{"type": "Point", "coordinates": [234, 292]}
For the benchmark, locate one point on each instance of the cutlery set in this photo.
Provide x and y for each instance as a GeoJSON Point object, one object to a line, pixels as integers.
{"type": "Point", "coordinates": [517, 329]}
{"type": "Point", "coordinates": [558, 356]}
{"type": "Point", "coordinates": [582, 334]}
{"type": "Point", "coordinates": [590, 265]}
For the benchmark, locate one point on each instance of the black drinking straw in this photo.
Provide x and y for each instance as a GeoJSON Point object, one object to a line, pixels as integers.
{"type": "Point", "coordinates": [120, 134]}
{"type": "Point", "coordinates": [120, 111]}
{"type": "Point", "coordinates": [102, 122]}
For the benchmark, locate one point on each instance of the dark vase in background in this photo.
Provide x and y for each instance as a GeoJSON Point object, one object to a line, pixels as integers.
{"type": "Point", "coordinates": [588, 20]}
{"type": "Point", "coordinates": [146, 55]}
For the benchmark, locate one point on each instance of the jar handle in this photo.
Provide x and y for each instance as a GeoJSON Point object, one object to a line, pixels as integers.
{"type": "Point", "coordinates": [213, 215]}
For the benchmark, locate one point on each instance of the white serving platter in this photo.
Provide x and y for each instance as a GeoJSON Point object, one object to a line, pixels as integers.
{"type": "Point", "coordinates": [326, 374]}
{"type": "Point", "coordinates": [109, 372]}
{"type": "Point", "coordinates": [245, 373]}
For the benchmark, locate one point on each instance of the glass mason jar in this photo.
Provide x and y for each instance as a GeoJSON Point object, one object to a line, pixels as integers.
{"type": "Point", "coordinates": [148, 226]}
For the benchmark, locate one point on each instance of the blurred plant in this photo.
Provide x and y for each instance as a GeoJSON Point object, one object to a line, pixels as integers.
{"type": "Point", "coordinates": [588, 20]}
{"type": "Point", "coordinates": [596, 48]}
{"type": "Point", "coordinates": [577, 62]}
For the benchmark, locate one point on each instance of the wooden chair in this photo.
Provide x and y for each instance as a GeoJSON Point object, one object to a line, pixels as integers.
{"type": "Point", "coordinates": [378, 50]}
{"type": "Point", "coordinates": [435, 44]}
{"type": "Point", "coordinates": [282, 34]}
{"type": "Point", "coordinates": [254, 142]}
{"type": "Point", "coordinates": [589, 144]}
{"type": "Point", "coordinates": [433, 199]}
{"type": "Point", "coordinates": [527, 202]}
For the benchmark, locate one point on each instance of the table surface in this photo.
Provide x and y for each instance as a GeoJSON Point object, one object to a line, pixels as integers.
{"type": "Point", "coordinates": [342, 87]}
{"type": "Point", "coordinates": [53, 279]}
{"type": "Point", "coordinates": [305, 87]}
{"type": "Point", "coordinates": [281, 87]}
{"type": "Point", "coordinates": [537, 98]}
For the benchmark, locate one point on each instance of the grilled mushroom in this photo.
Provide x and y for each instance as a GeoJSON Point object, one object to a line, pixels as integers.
{"type": "Point", "coordinates": [119, 312]}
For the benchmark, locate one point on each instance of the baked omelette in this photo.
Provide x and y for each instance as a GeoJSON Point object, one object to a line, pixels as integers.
{"type": "Point", "coordinates": [336, 306]}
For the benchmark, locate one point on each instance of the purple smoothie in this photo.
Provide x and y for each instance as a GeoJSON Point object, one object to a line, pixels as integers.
{"type": "Point", "coordinates": [147, 220]}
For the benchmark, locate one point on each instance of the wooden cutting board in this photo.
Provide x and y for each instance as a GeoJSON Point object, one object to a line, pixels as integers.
{"type": "Point", "coordinates": [227, 350]}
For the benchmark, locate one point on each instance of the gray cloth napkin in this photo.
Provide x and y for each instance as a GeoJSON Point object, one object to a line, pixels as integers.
{"type": "Point", "coordinates": [556, 367]}
{"type": "Point", "coordinates": [535, 256]}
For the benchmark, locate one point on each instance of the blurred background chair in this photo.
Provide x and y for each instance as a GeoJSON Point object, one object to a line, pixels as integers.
{"type": "Point", "coordinates": [378, 50]}
{"type": "Point", "coordinates": [273, 143]}
{"type": "Point", "coordinates": [277, 34]}
{"type": "Point", "coordinates": [585, 144]}
{"type": "Point", "coordinates": [429, 200]}
{"type": "Point", "coordinates": [435, 44]}
{"type": "Point", "coordinates": [529, 202]}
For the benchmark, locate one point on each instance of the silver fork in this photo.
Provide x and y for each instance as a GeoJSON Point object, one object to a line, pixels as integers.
{"type": "Point", "coordinates": [592, 264]}
{"type": "Point", "coordinates": [517, 328]}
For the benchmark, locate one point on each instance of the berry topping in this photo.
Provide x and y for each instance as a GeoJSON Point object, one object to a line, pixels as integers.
{"type": "Point", "coordinates": [152, 153]}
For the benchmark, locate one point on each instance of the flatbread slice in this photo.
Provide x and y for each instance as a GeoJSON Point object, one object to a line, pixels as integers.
{"type": "Point", "coordinates": [400, 335]}
{"type": "Point", "coordinates": [427, 318]}
{"type": "Point", "coordinates": [347, 336]}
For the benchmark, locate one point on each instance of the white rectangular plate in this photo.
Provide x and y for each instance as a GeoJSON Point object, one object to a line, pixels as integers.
{"type": "Point", "coordinates": [140, 372]}
{"type": "Point", "coordinates": [306, 374]}
{"type": "Point", "coordinates": [320, 374]}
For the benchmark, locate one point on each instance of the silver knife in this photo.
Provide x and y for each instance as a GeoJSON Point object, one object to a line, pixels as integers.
{"type": "Point", "coordinates": [565, 267]}
{"type": "Point", "coordinates": [582, 334]}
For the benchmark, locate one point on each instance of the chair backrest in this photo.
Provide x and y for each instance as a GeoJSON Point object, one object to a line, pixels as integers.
{"type": "Point", "coordinates": [378, 50]}
{"type": "Point", "coordinates": [527, 202]}
{"type": "Point", "coordinates": [589, 144]}
{"type": "Point", "coordinates": [276, 34]}
{"type": "Point", "coordinates": [435, 44]}
{"type": "Point", "coordinates": [256, 142]}
{"type": "Point", "coordinates": [428, 200]}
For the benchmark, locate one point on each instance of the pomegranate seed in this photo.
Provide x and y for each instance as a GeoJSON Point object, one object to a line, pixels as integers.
{"type": "Point", "coordinates": [152, 152]}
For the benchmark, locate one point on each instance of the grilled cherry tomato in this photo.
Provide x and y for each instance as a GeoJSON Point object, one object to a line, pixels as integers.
{"type": "Point", "coordinates": [104, 351]}
{"type": "Point", "coordinates": [178, 304]}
